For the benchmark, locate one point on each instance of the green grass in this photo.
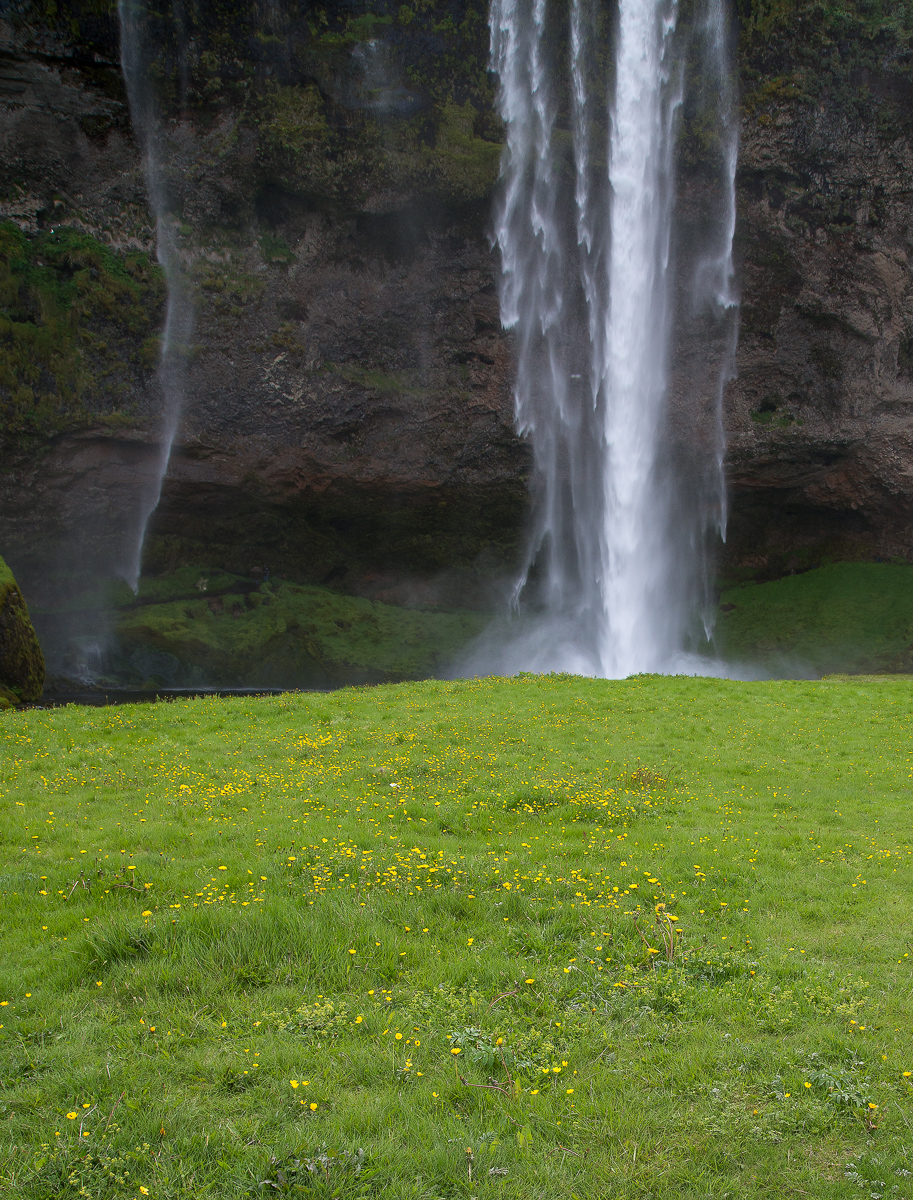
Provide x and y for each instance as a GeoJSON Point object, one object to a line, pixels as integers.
{"type": "Point", "coordinates": [224, 630]}
{"type": "Point", "coordinates": [294, 635]}
{"type": "Point", "coordinates": [242, 940]}
{"type": "Point", "coordinates": [853, 617]}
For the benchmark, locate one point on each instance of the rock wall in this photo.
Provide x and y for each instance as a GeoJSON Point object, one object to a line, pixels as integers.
{"type": "Point", "coordinates": [349, 417]}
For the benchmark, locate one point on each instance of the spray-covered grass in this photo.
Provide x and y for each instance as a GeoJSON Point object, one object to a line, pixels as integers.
{"type": "Point", "coordinates": [288, 634]}
{"type": "Point", "coordinates": [196, 627]}
{"type": "Point", "coordinates": [541, 937]}
{"type": "Point", "coordinates": [854, 617]}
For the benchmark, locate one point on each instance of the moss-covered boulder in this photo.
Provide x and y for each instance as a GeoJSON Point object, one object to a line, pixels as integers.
{"type": "Point", "coordinates": [21, 660]}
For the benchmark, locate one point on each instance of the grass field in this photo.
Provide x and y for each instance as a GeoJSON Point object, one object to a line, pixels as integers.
{"type": "Point", "coordinates": [847, 616]}
{"type": "Point", "coordinates": [410, 942]}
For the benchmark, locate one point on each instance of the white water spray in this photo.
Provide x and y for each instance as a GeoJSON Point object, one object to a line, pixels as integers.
{"type": "Point", "coordinates": [628, 487]}
{"type": "Point", "coordinates": [136, 60]}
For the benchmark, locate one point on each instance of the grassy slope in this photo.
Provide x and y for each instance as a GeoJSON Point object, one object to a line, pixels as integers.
{"type": "Point", "coordinates": [236, 632]}
{"type": "Point", "coordinates": [285, 634]}
{"type": "Point", "coordinates": [333, 893]}
{"type": "Point", "coordinates": [855, 617]}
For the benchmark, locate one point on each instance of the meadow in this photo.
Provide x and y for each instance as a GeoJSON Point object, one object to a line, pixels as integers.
{"type": "Point", "coordinates": [538, 937]}
{"type": "Point", "coordinates": [852, 617]}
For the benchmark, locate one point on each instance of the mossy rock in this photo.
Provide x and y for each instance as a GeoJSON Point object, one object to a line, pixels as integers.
{"type": "Point", "coordinates": [76, 326]}
{"type": "Point", "coordinates": [21, 660]}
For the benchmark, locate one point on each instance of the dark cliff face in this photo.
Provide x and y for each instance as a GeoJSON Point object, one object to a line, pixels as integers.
{"type": "Point", "coordinates": [820, 419]}
{"type": "Point", "coordinates": [349, 416]}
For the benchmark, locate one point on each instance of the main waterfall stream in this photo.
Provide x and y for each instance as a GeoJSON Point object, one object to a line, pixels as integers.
{"type": "Point", "coordinates": [617, 281]}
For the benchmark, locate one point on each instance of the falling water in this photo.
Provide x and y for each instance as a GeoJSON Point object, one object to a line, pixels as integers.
{"type": "Point", "coordinates": [627, 445]}
{"type": "Point", "coordinates": [136, 60]}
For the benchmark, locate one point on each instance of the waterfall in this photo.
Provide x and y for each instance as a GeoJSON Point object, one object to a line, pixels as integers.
{"type": "Point", "coordinates": [137, 53]}
{"type": "Point", "coordinates": [603, 301]}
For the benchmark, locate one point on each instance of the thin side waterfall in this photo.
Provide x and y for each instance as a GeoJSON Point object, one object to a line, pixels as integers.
{"type": "Point", "coordinates": [621, 297]}
{"type": "Point", "coordinates": [136, 59]}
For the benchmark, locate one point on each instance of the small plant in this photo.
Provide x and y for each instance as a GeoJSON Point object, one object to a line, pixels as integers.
{"type": "Point", "coordinates": [275, 250]}
{"type": "Point", "coordinates": [325, 1175]}
{"type": "Point", "coordinates": [664, 927]}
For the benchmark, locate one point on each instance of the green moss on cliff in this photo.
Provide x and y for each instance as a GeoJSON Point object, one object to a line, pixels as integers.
{"type": "Point", "coordinates": [21, 660]}
{"type": "Point", "coordinates": [74, 316]}
{"type": "Point", "coordinates": [851, 617]}
{"type": "Point", "coordinates": [854, 55]}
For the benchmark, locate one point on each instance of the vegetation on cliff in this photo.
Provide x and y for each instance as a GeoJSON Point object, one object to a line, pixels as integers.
{"type": "Point", "coordinates": [342, 101]}
{"type": "Point", "coordinates": [21, 660]}
{"type": "Point", "coordinates": [553, 923]}
{"type": "Point", "coordinates": [78, 326]}
{"type": "Point", "coordinates": [853, 55]}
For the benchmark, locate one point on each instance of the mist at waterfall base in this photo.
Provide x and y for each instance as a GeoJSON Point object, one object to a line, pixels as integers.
{"type": "Point", "coordinates": [617, 282]}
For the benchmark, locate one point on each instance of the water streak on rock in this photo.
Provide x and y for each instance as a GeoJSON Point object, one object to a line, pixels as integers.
{"type": "Point", "coordinates": [137, 53]}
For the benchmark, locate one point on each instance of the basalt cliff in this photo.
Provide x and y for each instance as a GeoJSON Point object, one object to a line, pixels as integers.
{"type": "Point", "coordinates": [349, 418]}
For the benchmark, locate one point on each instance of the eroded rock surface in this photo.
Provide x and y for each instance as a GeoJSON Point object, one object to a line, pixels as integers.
{"type": "Point", "coordinates": [820, 419]}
